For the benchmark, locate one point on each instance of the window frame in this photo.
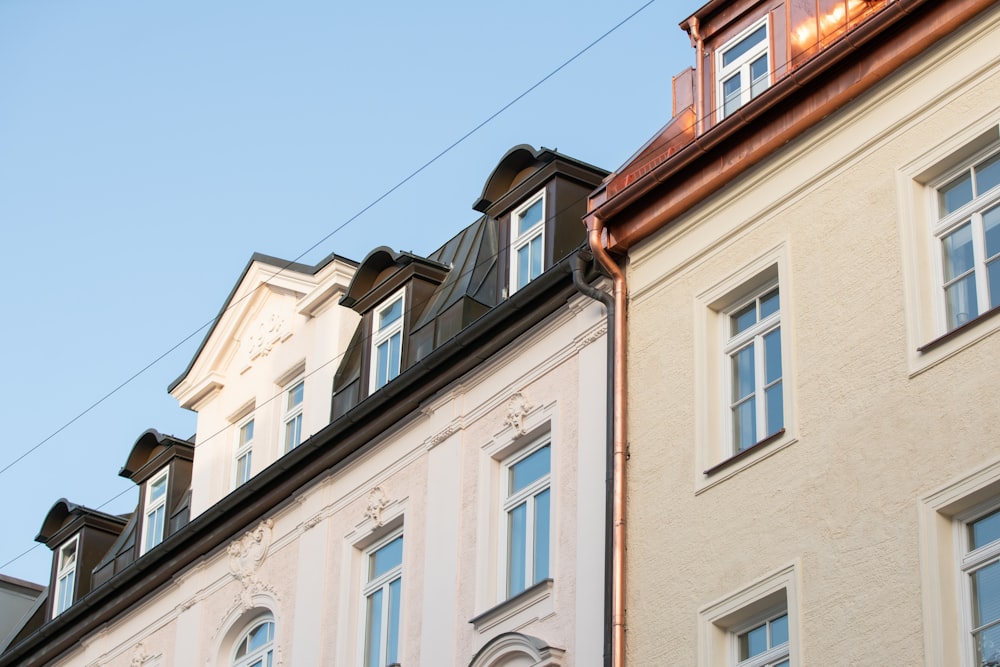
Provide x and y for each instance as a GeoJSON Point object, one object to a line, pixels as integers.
{"type": "Point", "coordinates": [152, 506]}
{"type": "Point", "coordinates": [244, 449]}
{"type": "Point", "coordinates": [774, 654]}
{"type": "Point", "coordinates": [741, 66]}
{"type": "Point", "coordinates": [384, 336]}
{"type": "Point", "coordinates": [261, 653]}
{"type": "Point", "coordinates": [63, 572]}
{"type": "Point", "coordinates": [370, 585]}
{"type": "Point", "coordinates": [519, 240]}
{"type": "Point", "coordinates": [510, 501]}
{"type": "Point", "coordinates": [969, 560]}
{"type": "Point", "coordinates": [944, 225]}
{"type": "Point", "coordinates": [292, 415]}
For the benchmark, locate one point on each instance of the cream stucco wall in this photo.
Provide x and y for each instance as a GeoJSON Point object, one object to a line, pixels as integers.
{"type": "Point", "coordinates": [840, 507]}
{"type": "Point", "coordinates": [436, 476]}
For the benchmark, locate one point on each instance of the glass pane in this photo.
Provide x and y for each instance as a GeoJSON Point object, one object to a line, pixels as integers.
{"type": "Point", "coordinates": [986, 594]}
{"type": "Point", "coordinates": [154, 527]}
{"type": "Point", "coordinates": [381, 364]}
{"type": "Point", "coordinates": [259, 636]}
{"type": "Point", "coordinates": [293, 432]}
{"type": "Point", "coordinates": [532, 467]}
{"type": "Point", "coordinates": [988, 647]}
{"type": "Point", "coordinates": [541, 536]}
{"type": "Point", "coordinates": [744, 45]}
{"type": "Point", "coordinates": [395, 343]}
{"type": "Point", "coordinates": [392, 641]}
{"type": "Point", "coordinates": [744, 318]}
{"type": "Point", "coordinates": [246, 432]}
{"type": "Point", "coordinates": [745, 425]}
{"type": "Point", "coordinates": [373, 630]}
{"type": "Point", "coordinates": [961, 301]}
{"type": "Point", "coordinates": [985, 530]}
{"type": "Point", "coordinates": [243, 468]}
{"type": "Point", "coordinates": [769, 304]}
{"type": "Point", "coordinates": [390, 314]}
{"type": "Point", "coordinates": [987, 174]}
{"type": "Point", "coordinates": [516, 545]}
{"type": "Point", "coordinates": [295, 395]}
{"type": "Point", "coordinates": [774, 395]}
{"type": "Point", "coordinates": [993, 270]}
{"type": "Point", "coordinates": [386, 558]}
{"type": "Point", "coordinates": [157, 489]}
{"type": "Point", "coordinates": [530, 217]}
{"type": "Point", "coordinates": [731, 94]}
{"type": "Point", "coordinates": [67, 556]}
{"type": "Point", "coordinates": [779, 631]}
{"type": "Point", "coordinates": [955, 194]}
{"type": "Point", "coordinates": [958, 257]}
{"type": "Point", "coordinates": [783, 663]}
{"type": "Point", "coordinates": [753, 642]}
{"type": "Point", "coordinates": [536, 256]}
{"type": "Point", "coordinates": [772, 356]}
{"type": "Point", "coordinates": [523, 266]}
{"type": "Point", "coordinates": [743, 373]}
{"type": "Point", "coordinates": [758, 76]}
{"type": "Point", "coordinates": [991, 229]}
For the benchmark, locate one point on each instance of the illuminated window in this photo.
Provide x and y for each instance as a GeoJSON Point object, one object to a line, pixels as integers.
{"type": "Point", "coordinates": [382, 593]}
{"type": "Point", "coordinates": [387, 342]}
{"type": "Point", "coordinates": [527, 242]}
{"type": "Point", "coordinates": [968, 226]}
{"type": "Point", "coordinates": [744, 70]}
{"type": "Point", "coordinates": [155, 513]}
{"type": "Point", "coordinates": [66, 558]}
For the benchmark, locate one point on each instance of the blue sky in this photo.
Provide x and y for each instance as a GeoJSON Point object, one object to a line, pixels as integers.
{"type": "Point", "coordinates": [147, 149]}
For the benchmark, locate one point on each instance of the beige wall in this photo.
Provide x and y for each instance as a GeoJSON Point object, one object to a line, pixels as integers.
{"type": "Point", "coordinates": [438, 477]}
{"type": "Point", "coordinates": [838, 511]}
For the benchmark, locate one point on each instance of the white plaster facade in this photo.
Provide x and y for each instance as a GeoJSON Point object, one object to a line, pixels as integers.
{"type": "Point", "coordinates": [851, 520]}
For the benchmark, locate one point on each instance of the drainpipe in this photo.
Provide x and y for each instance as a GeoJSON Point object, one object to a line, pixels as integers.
{"type": "Point", "coordinates": [616, 335]}
{"type": "Point", "coordinates": [694, 32]}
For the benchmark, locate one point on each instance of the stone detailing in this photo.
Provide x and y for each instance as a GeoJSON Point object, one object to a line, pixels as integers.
{"type": "Point", "coordinates": [377, 501]}
{"type": "Point", "coordinates": [245, 557]}
{"type": "Point", "coordinates": [264, 334]}
{"type": "Point", "coordinates": [517, 407]}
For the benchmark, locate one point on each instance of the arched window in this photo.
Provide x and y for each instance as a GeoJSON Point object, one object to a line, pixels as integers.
{"type": "Point", "coordinates": [256, 646]}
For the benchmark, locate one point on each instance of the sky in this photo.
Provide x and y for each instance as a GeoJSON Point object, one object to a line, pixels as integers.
{"type": "Point", "coordinates": [147, 149]}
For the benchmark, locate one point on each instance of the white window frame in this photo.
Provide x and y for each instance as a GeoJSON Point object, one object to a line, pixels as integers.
{"type": "Point", "coordinates": [152, 507]}
{"type": "Point", "coordinates": [244, 449]}
{"type": "Point", "coordinates": [509, 501]}
{"type": "Point", "coordinates": [752, 336]}
{"type": "Point", "coordinates": [774, 655]}
{"type": "Point", "coordinates": [970, 213]}
{"type": "Point", "coordinates": [519, 240]}
{"type": "Point", "coordinates": [66, 592]}
{"type": "Point", "coordinates": [741, 67]}
{"type": "Point", "coordinates": [262, 655]}
{"type": "Point", "coordinates": [370, 586]}
{"type": "Point", "coordinates": [969, 561]}
{"type": "Point", "coordinates": [291, 415]}
{"type": "Point", "coordinates": [384, 336]}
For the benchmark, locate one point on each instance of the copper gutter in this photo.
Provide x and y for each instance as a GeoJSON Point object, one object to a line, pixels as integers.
{"type": "Point", "coordinates": [699, 96]}
{"type": "Point", "coordinates": [790, 107]}
{"type": "Point", "coordinates": [595, 230]}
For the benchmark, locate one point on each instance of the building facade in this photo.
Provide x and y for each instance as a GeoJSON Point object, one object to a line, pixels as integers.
{"type": "Point", "coordinates": [811, 266]}
{"type": "Point", "coordinates": [397, 462]}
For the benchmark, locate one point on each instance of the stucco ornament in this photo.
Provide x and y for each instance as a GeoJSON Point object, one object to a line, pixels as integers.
{"type": "Point", "coordinates": [245, 556]}
{"type": "Point", "coordinates": [377, 501]}
{"type": "Point", "coordinates": [263, 335]}
{"type": "Point", "coordinates": [139, 655]}
{"type": "Point", "coordinates": [517, 407]}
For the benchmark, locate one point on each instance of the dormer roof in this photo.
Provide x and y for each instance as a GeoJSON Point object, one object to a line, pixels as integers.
{"type": "Point", "coordinates": [66, 518]}
{"type": "Point", "coordinates": [382, 272]}
{"type": "Point", "coordinates": [151, 451]}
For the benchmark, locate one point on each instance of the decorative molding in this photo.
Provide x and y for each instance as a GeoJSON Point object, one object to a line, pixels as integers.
{"type": "Point", "coordinates": [139, 655]}
{"type": "Point", "coordinates": [312, 521]}
{"type": "Point", "coordinates": [591, 337]}
{"type": "Point", "coordinates": [442, 435]}
{"type": "Point", "coordinates": [245, 557]}
{"type": "Point", "coordinates": [517, 407]}
{"type": "Point", "coordinates": [264, 334]}
{"type": "Point", "coordinates": [377, 501]}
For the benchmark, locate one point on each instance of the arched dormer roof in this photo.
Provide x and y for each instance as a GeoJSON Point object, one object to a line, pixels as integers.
{"type": "Point", "coordinates": [64, 513]}
{"type": "Point", "coordinates": [513, 168]}
{"type": "Point", "coordinates": [379, 267]}
{"type": "Point", "coordinates": [148, 447]}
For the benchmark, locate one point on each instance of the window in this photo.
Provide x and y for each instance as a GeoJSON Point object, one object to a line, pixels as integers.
{"type": "Point", "coordinates": [387, 341]}
{"type": "Point", "coordinates": [526, 518]}
{"type": "Point", "coordinates": [527, 242]}
{"type": "Point", "coordinates": [382, 593]}
{"type": "Point", "coordinates": [744, 69]}
{"type": "Point", "coordinates": [292, 418]}
{"type": "Point", "coordinates": [753, 350]}
{"type": "Point", "coordinates": [155, 514]}
{"type": "Point", "coordinates": [66, 558]}
{"type": "Point", "coordinates": [968, 226]}
{"type": "Point", "coordinates": [256, 646]}
{"type": "Point", "coordinates": [764, 644]}
{"type": "Point", "coordinates": [981, 569]}
{"type": "Point", "coordinates": [244, 452]}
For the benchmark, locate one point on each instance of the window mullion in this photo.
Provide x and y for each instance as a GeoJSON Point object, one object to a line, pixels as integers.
{"type": "Point", "coordinates": [759, 381]}
{"type": "Point", "coordinates": [979, 262]}
{"type": "Point", "coordinates": [529, 541]}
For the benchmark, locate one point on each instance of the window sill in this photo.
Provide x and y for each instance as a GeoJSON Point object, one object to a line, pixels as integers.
{"type": "Point", "coordinates": [957, 331]}
{"type": "Point", "coordinates": [756, 447]}
{"type": "Point", "coordinates": [515, 605]}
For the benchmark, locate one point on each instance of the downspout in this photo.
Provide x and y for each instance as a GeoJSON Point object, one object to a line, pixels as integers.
{"type": "Point", "coordinates": [616, 332]}
{"type": "Point", "coordinates": [581, 261]}
{"type": "Point", "coordinates": [699, 96]}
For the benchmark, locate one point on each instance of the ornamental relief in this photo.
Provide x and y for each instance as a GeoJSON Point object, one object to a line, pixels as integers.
{"type": "Point", "coordinates": [245, 557]}
{"type": "Point", "coordinates": [264, 334]}
{"type": "Point", "coordinates": [377, 502]}
{"type": "Point", "coordinates": [517, 408]}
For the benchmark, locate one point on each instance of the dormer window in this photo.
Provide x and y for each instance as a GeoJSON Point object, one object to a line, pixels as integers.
{"type": "Point", "coordinates": [387, 341]}
{"type": "Point", "coordinates": [65, 576]}
{"type": "Point", "coordinates": [527, 242]}
{"type": "Point", "coordinates": [743, 68]}
{"type": "Point", "coordinates": [244, 453]}
{"type": "Point", "coordinates": [155, 512]}
{"type": "Point", "coordinates": [292, 417]}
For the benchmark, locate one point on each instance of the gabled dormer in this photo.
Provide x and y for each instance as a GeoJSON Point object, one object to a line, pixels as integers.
{"type": "Point", "coordinates": [78, 537]}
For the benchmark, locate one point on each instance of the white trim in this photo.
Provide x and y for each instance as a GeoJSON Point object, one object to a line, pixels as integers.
{"type": "Point", "coordinates": [741, 66]}
{"type": "Point", "coordinates": [62, 572]}
{"type": "Point", "coordinates": [510, 501]}
{"type": "Point", "coordinates": [152, 506]}
{"type": "Point", "coordinates": [382, 582]}
{"type": "Point", "coordinates": [243, 449]}
{"type": "Point", "coordinates": [291, 416]}
{"type": "Point", "coordinates": [383, 336]}
{"type": "Point", "coordinates": [520, 240]}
